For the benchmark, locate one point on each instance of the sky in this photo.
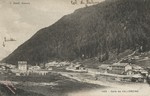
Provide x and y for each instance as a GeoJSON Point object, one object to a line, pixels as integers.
{"type": "Point", "coordinates": [21, 21]}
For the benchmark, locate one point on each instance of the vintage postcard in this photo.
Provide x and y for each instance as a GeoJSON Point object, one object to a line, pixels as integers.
{"type": "Point", "coordinates": [74, 47]}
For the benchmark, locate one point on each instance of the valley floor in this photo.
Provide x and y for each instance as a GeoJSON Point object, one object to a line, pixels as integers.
{"type": "Point", "coordinates": [54, 85]}
{"type": "Point", "coordinates": [112, 88]}
{"type": "Point", "coordinates": [60, 83]}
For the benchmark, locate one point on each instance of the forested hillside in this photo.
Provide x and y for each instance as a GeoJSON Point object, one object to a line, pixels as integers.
{"type": "Point", "coordinates": [101, 30]}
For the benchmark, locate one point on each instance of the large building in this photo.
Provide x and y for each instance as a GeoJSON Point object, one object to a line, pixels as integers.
{"type": "Point", "coordinates": [22, 65]}
{"type": "Point", "coordinates": [120, 68]}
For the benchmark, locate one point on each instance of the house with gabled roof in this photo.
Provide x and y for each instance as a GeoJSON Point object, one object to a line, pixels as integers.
{"type": "Point", "coordinates": [120, 68]}
{"type": "Point", "coordinates": [77, 68]}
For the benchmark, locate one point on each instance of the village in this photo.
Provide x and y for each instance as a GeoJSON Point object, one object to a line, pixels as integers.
{"type": "Point", "coordinates": [53, 74]}
{"type": "Point", "coordinates": [116, 72]}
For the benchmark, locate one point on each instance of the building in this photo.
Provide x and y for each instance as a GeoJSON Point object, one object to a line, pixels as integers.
{"type": "Point", "coordinates": [136, 57]}
{"type": "Point", "coordinates": [41, 72]}
{"type": "Point", "coordinates": [52, 64]}
{"type": "Point", "coordinates": [139, 70]}
{"type": "Point", "coordinates": [77, 68]}
{"type": "Point", "coordinates": [64, 63]}
{"type": "Point", "coordinates": [104, 68]}
{"type": "Point", "coordinates": [120, 68]}
{"type": "Point", "coordinates": [11, 66]}
{"type": "Point", "coordinates": [144, 73]}
{"type": "Point", "coordinates": [22, 65]}
{"type": "Point", "coordinates": [49, 68]}
{"type": "Point", "coordinates": [129, 72]}
{"type": "Point", "coordinates": [136, 67]}
{"type": "Point", "coordinates": [34, 68]}
{"type": "Point", "coordinates": [138, 78]}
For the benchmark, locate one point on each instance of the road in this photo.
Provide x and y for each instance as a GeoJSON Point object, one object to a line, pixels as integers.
{"type": "Point", "coordinates": [134, 89]}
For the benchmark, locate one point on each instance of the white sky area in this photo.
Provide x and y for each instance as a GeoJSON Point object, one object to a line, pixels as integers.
{"type": "Point", "coordinates": [21, 21]}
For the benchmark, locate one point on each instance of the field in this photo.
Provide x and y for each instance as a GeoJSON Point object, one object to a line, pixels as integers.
{"type": "Point", "coordinates": [52, 84]}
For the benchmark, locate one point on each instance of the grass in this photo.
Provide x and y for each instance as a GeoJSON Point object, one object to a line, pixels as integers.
{"type": "Point", "coordinates": [50, 77]}
{"type": "Point", "coordinates": [4, 91]}
{"type": "Point", "coordinates": [63, 85]}
{"type": "Point", "coordinates": [62, 88]}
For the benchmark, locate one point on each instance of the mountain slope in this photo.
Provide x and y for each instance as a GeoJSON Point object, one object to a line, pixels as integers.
{"type": "Point", "coordinates": [110, 27]}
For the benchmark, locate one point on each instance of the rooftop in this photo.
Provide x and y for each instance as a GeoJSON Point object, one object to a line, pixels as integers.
{"type": "Point", "coordinates": [120, 64]}
{"type": "Point", "coordinates": [136, 66]}
{"type": "Point", "coordinates": [104, 66]}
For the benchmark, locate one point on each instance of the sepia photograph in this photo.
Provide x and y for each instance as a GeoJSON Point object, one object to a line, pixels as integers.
{"type": "Point", "coordinates": [74, 47]}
